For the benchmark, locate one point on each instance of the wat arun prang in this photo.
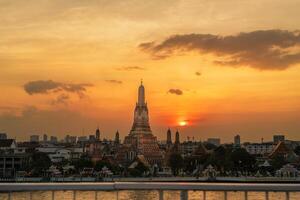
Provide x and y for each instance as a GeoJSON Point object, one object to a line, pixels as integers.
{"type": "Point", "coordinates": [140, 138]}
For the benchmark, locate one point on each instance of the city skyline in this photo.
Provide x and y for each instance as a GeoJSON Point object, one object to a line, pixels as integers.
{"type": "Point", "coordinates": [70, 66]}
{"type": "Point", "coordinates": [141, 125]}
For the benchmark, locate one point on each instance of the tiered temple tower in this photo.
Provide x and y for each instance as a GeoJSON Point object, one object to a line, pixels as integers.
{"type": "Point", "coordinates": [140, 136]}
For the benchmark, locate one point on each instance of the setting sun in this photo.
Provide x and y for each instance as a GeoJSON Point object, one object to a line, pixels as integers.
{"type": "Point", "coordinates": [182, 123]}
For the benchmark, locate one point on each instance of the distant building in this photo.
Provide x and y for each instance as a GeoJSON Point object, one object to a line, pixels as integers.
{"type": "Point", "coordinates": [8, 144]}
{"type": "Point", "coordinates": [3, 136]}
{"type": "Point", "coordinates": [97, 134]}
{"type": "Point", "coordinates": [53, 139]}
{"type": "Point", "coordinates": [92, 138]}
{"type": "Point", "coordinates": [70, 139]}
{"type": "Point", "coordinates": [34, 138]}
{"type": "Point", "coordinates": [82, 139]}
{"type": "Point", "coordinates": [214, 141]}
{"type": "Point", "coordinates": [237, 140]}
{"type": "Point", "coordinates": [58, 154]}
{"type": "Point", "coordinates": [278, 138]}
{"type": "Point", "coordinates": [12, 158]}
{"type": "Point", "coordinates": [45, 138]}
{"type": "Point", "coordinates": [260, 149]}
{"type": "Point", "coordinates": [187, 148]}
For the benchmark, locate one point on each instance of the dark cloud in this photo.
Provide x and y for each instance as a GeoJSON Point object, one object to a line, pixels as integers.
{"type": "Point", "coordinates": [262, 49]}
{"type": "Point", "coordinates": [130, 68]}
{"type": "Point", "coordinates": [198, 73]}
{"type": "Point", "coordinates": [49, 86]}
{"type": "Point", "coordinates": [61, 99]}
{"type": "Point", "coordinates": [114, 81]}
{"type": "Point", "coordinates": [175, 91]}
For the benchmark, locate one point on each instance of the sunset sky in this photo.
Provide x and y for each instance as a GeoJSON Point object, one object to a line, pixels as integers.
{"type": "Point", "coordinates": [217, 68]}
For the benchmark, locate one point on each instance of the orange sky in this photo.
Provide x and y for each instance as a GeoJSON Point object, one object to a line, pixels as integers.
{"type": "Point", "coordinates": [67, 66]}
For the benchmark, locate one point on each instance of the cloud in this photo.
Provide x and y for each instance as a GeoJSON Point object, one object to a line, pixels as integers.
{"type": "Point", "coordinates": [114, 81]}
{"type": "Point", "coordinates": [130, 68]}
{"type": "Point", "coordinates": [175, 91]}
{"type": "Point", "coordinates": [261, 49]}
{"type": "Point", "coordinates": [61, 99]}
{"type": "Point", "coordinates": [49, 86]}
{"type": "Point", "coordinates": [198, 73]}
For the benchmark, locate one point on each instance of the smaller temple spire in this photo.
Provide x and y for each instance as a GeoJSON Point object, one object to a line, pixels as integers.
{"type": "Point", "coordinates": [169, 137]}
{"type": "Point", "coordinates": [117, 137]}
{"type": "Point", "coordinates": [98, 134]}
{"type": "Point", "coordinates": [177, 140]}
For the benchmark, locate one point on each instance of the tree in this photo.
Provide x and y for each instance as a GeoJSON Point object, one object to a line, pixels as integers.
{"type": "Point", "coordinates": [139, 170]}
{"type": "Point", "coordinates": [176, 163]}
{"type": "Point", "coordinates": [83, 162]}
{"type": "Point", "coordinates": [40, 162]}
{"type": "Point", "coordinates": [297, 150]}
{"type": "Point", "coordinates": [277, 162]}
{"type": "Point", "coordinates": [209, 146]}
{"type": "Point", "coordinates": [242, 160]}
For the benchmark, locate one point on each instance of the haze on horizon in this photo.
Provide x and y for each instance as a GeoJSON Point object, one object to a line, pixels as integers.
{"type": "Point", "coordinates": [217, 68]}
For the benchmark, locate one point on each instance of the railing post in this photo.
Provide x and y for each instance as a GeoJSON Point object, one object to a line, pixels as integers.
{"type": "Point", "coordinates": [117, 194]}
{"type": "Point", "coordinates": [246, 195]}
{"type": "Point", "coordinates": [183, 195]}
{"type": "Point", "coordinates": [30, 195]}
{"type": "Point", "coordinates": [267, 195]}
{"type": "Point", "coordinates": [225, 195]}
{"type": "Point", "coordinates": [52, 195]}
{"type": "Point", "coordinates": [161, 194]}
{"type": "Point", "coordinates": [204, 195]}
{"type": "Point", "coordinates": [96, 196]}
{"type": "Point", "coordinates": [74, 195]}
{"type": "Point", "coordinates": [9, 196]}
{"type": "Point", "coordinates": [287, 195]}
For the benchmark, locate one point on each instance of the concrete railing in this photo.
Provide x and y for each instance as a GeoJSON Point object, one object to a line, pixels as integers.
{"type": "Point", "coordinates": [107, 186]}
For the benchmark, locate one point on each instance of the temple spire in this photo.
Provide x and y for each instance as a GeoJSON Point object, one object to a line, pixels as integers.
{"type": "Point", "coordinates": [141, 94]}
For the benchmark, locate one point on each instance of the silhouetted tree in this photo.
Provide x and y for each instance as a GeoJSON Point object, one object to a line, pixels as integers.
{"type": "Point", "coordinates": [176, 163]}
{"type": "Point", "coordinates": [242, 160]}
{"type": "Point", "coordinates": [83, 162]}
{"type": "Point", "coordinates": [297, 150]}
{"type": "Point", "coordinates": [39, 163]}
{"type": "Point", "coordinates": [277, 162]}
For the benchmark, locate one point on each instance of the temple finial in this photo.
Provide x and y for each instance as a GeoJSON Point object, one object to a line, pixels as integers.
{"type": "Point", "coordinates": [141, 81]}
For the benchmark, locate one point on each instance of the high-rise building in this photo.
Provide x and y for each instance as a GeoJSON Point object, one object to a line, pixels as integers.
{"type": "Point", "coordinates": [97, 134]}
{"type": "Point", "coordinates": [45, 138]}
{"type": "Point", "coordinates": [169, 137]}
{"type": "Point", "coordinates": [278, 138]}
{"type": "Point", "coordinates": [82, 139]}
{"type": "Point", "coordinates": [92, 138]}
{"type": "Point", "coordinates": [140, 138]}
{"type": "Point", "coordinates": [34, 138]}
{"type": "Point", "coordinates": [53, 139]}
{"type": "Point", "coordinates": [214, 141]}
{"type": "Point", "coordinates": [70, 139]}
{"type": "Point", "coordinates": [3, 136]}
{"type": "Point", "coordinates": [237, 140]}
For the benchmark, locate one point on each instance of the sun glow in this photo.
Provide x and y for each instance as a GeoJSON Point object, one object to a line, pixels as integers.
{"type": "Point", "coordinates": [182, 123]}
